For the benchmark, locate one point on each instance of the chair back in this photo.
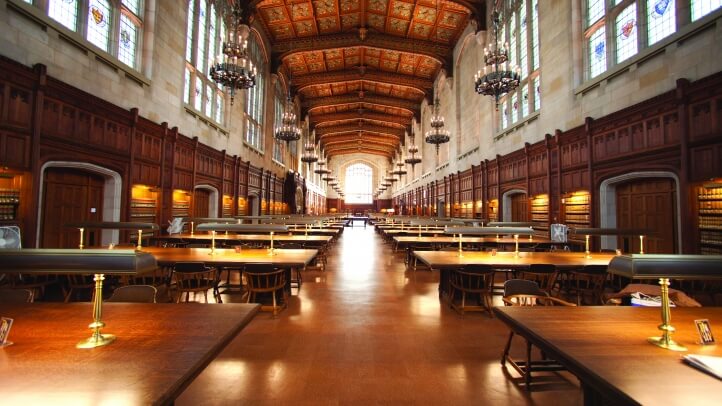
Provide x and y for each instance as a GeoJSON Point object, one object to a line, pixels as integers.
{"type": "Point", "coordinates": [476, 278]}
{"type": "Point", "coordinates": [16, 296]}
{"type": "Point", "coordinates": [134, 294]}
{"type": "Point", "coordinates": [263, 277]}
{"type": "Point", "coordinates": [522, 287]}
{"type": "Point", "coordinates": [544, 275]}
{"type": "Point", "coordinates": [190, 267]}
{"type": "Point", "coordinates": [520, 292]}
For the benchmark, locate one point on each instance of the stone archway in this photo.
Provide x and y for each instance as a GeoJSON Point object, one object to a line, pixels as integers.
{"type": "Point", "coordinates": [506, 203]}
{"type": "Point", "coordinates": [212, 200]}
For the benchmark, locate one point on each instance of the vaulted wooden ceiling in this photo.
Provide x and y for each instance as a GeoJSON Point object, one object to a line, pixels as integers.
{"type": "Point", "coordinates": [361, 68]}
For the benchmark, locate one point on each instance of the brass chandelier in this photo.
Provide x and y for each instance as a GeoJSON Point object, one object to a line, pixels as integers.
{"type": "Point", "coordinates": [235, 70]}
{"type": "Point", "coordinates": [499, 77]}
{"type": "Point", "coordinates": [437, 135]}
{"type": "Point", "coordinates": [412, 159]}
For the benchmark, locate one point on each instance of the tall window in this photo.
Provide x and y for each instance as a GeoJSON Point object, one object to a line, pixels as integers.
{"type": "Point", "coordinates": [106, 22]}
{"type": "Point", "coordinates": [278, 107]}
{"type": "Point", "coordinates": [521, 32]}
{"type": "Point", "coordinates": [254, 98]}
{"type": "Point", "coordinates": [359, 182]}
{"type": "Point", "coordinates": [204, 36]}
{"type": "Point", "coordinates": [616, 30]}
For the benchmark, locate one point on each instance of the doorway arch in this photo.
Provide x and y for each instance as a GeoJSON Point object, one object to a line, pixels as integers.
{"type": "Point", "coordinates": [212, 199]}
{"type": "Point", "coordinates": [506, 203]}
{"type": "Point", "coordinates": [112, 192]}
{"type": "Point", "coordinates": [608, 203]}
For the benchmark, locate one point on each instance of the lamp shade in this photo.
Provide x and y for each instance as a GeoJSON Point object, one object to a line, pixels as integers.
{"type": "Point", "coordinates": [114, 225]}
{"type": "Point", "coordinates": [671, 266]}
{"type": "Point", "coordinates": [77, 261]}
{"type": "Point", "coordinates": [243, 228]}
{"type": "Point", "coordinates": [489, 230]}
{"type": "Point", "coordinates": [511, 224]}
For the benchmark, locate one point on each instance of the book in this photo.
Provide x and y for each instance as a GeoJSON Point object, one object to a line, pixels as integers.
{"type": "Point", "coordinates": [705, 363]}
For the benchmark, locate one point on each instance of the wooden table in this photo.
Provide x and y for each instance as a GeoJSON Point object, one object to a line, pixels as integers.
{"type": "Point", "coordinates": [445, 261]}
{"type": "Point", "coordinates": [160, 349]}
{"type": "Point", "coordinates": [402, 241]}
{"type": "Point", "coordinates": [606, 348]}
{"type": "Point", "coordinates": [315, 240]}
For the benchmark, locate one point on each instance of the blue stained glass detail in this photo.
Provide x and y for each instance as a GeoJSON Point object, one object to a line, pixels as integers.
{"type": "Point", "coordinates": [125, 38]}
{"type": "Point", "coordinates": [660, 7]}
{"type": "Point", "coordinates": [599, 50]}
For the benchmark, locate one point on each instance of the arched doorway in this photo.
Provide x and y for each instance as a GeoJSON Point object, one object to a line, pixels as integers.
{"type": "Point", "coordinates": [642, 200]}
{"type": "Point", "coordinates": [205, 201]}
{"type": "Point", "coordinates": [73, 192]}
{"type": "Point", "coordinates": [515, 206]}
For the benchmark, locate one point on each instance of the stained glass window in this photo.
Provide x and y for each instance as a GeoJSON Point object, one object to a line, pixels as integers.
{"type": "Point", "coordinates": [128, 41]}
{"type": "Point", "coordinates": [597, 52]}
{"type": "Point", "coordinates": [514, 108]}
{"type": "Point", "coordinates": [626, 26]}
{"type": "Point", "coordinates": [595, 11]}
{"type": "Point", "coordinates": [535, 35]}
{"type": "Point", "coordinates": [189, 31]}
{"type": "Point", "coordinates": [201, 43]}
{"type": "Point", "coordinates": [504, 115]}
{"type": "Point", "coordinates": [537, 94]}
{"type": "Point", "coordinates": [359, 183]}
{"type": "Point", "coordinates": [208, 101]}
{"type": "Point", "coordinates": [701, 8]}
{"type": "Point", "coordinates": [254, 97]}
{"type": "Point", "coordinates": [65, 12]}
{"type": "Point", "coordinates": [278, 106]}
{"type": "Point", "coordinates": [198, 94]}
{"type": "Point", "coordinates": [133, 6]}
{"type": "Point", "coordinates": [187, 86]}
{"type": "Point", "coordinates": [219, 106]}
{"type": "Point", "coordinates": [212, 20]}
{"type": "Point", "coordinates": [661, 19]}
{"type": "Point", "coordinates": [99, 21]}
{"type": "Point", "coordinates": [523, 63]}
{"type": "Point", "coordinates": [28, 1]}
{"type": "Point", "coordinates": [525, 100]}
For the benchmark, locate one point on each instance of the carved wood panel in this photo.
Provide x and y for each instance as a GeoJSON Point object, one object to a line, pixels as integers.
{"type": "Point", "coordinates": [14, 150]}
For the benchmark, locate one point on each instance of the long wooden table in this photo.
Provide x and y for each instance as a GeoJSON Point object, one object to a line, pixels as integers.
{"type": "Point", "coordinates": [445, 261]}
{"type": "Point", "coordinates": [403, 241]}
{"type": "Point", "coordinates": [160, 349]}
{"type": "Point", "coordinates": [606, 348]}
{"type": "Point", "coordinates": [315, 240]}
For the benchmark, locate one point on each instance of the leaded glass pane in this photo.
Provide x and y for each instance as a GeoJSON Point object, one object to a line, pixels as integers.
{"type": "Point", "coordinates": [597, 52]}
{"type": "Point", "coordinates": [535, 35]}
{"type": "Point", "coordinates": [219, 107]}
{"type": "Point", "coordinates": [65, 12]}
{"type": "Point", "coordinates": [626, 26]}
{"type": "Point", "coordinates": [523, 63]}
{"type": "Point", "coordinates": [133, 6]}
{"type": "Point", "coordinates": [504, 115]}
{"type": "Point", "coordinates": [512, 40]}
{"type": "Point", "coordinates": [525, 100]}
{"type": "Point", "coordinates": [701, 8]}
{"type": "Point", "coordinates": [128, 41]}
{"type": "Point", "coordinates": [189, 31]}
{"type": "Point", "coordinates": [187, 86]}
{"type": "Point", "coordinates": [537, 94]}
{"type": "Point", "coordinates": [514, 108]}
{"type": "Point", "coordinates": [359, 184]}
{"type": "Point", "coordinates": [201, 44]}
{"type": "Point", "coordinates": [211, 40]}
{"type": "Point", "coordinates": [208, 101]}
{"type": "Point", "coordinates": [198, 100]}
{"type": "Point", "coordinates": [661, 19]}
{"type": "Point", "coordinates": [99, 20]}
{"type": "Point", "coordinates": [595, 11]}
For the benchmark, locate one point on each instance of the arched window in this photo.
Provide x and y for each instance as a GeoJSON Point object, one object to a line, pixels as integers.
{"type": "Point", "coordinates": [359, 182]}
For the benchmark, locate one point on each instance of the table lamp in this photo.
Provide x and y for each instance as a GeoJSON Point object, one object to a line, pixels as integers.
{"type": "Point", "coordinates": [666, 267]}
{"type": "Point", "coordinates": [99, 262]}
{"type": "Point", "coordinates": [243, 228]}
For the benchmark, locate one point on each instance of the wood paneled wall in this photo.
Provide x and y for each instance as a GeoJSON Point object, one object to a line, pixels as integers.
{"type": "Point", "coordinates": [679, 131]}
{"type": "Point", "coordinates": [43, 119]}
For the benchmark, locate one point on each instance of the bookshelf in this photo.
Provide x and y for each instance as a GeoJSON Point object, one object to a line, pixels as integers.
{"type": "Point", "coordinates": [9, 204]}
{"type": "Point", "coordinates": [576, 209]}
{"type": "Point", "coordinates": [181, 203]}
{"type": "Point", "coordinates": [242, 206]}
{"type": "Point", "coordinates": [709, 202]}
{"type": "Point", "coordinates": [492, 210]}
{"type": "Point", "coordinates": [540, 214]}
{"type": "Point", "coordinates": [227, 206]}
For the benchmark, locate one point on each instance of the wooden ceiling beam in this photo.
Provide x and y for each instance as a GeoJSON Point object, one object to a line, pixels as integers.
{"type": "Point", "coordinates": [346, 128]}
{"type": "Point", "coordinates": [341, 150]}
{"type": "Point", "coordinates": [350, 75]}
{"type": "Point", "coordinates": [350, 98]}
{"type": "Point", "coordinates": [350, 115]}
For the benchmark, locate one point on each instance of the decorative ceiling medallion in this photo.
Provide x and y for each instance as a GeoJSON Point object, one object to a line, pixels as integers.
{"type": "Point", "coordinates": [426, 14]}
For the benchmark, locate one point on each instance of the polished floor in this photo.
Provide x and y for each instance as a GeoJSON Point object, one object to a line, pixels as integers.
{"type": "Point", "coordinates": [367, 331]}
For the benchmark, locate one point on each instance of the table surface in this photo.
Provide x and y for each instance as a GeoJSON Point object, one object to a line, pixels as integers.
{"type": "Point", "coordinates": [563, 259]}
{"type": "Point", "coordinates": [606, 348]}
{"type": "Point", "coordinates": [471, 240]}
{"type": "Point", "coordinates": [229, 257]}
{"type": "Point", "coordinates": [159, 350]}
{"type": "Point", "coordinates": [246, 237]}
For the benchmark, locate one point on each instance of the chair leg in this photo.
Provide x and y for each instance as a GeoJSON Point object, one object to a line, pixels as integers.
{"type": "Point", "coordinates": [507, 348]}
{"type": "Point", "coordinates": [275, 310]}
{"type": "Point", "coordinates": [527, 374]}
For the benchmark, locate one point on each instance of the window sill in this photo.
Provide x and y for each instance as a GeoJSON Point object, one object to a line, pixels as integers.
{"type": "Point", "coordinates": [278, 163]}
{"type": "Point", "coordinates": [45, 23]}
{"type": "Point", "coordinates": [254, 149]}
{"type": "Point", "coordinates": [678, 38]}
{"type": "Point", "coordinates": [203, 118]}
{"type": "Point", "coordinates": [524, 122]}
{"type": "Point", "coordinates": [467, 153]}
{"type": "Point", "coordinates": [442, 167]}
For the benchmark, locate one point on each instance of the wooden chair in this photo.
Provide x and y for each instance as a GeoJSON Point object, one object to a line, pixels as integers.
{"type": "Point", "coordinates": [134, 294]}
{"type": "Point", "coordinates": [520, 292]}
{"type": "Point", "coordinates": [588, 282]}
{"type": "Point", "coordinates": [265, 279]}
{"type": "Point", "coordinates": [194, 277]}
{"type": "Point", "coordinates": [9, 295]}
{"type": "Point", "coordinates": [160, 279]}
{"type": "Point", "coordinates": [545, 275]}
{"type": "Point", "coordinates": [35, 283]}
{"type": "Point", "coordinates": [473, 281]}
{"type": "Point", "coordinates": [77, 283]}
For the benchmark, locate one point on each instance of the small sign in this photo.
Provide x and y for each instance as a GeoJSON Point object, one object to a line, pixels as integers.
{"type": "Point", "coordinates": [5, 324]}
{"type": "Point", "coordinates": [705, 331]}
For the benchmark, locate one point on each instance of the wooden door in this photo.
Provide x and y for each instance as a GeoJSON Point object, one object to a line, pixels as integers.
{"type": "Point", "coordinates": [70, 195]}
{"type": "Point", "coordinates": [519, 208]}
{"type": "Point", "coordinates": [648, 204]}
{"type": "Point", "coordinates": [201, 202]}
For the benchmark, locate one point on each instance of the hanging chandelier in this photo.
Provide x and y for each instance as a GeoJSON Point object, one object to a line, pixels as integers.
{"type": "Point", "coordinates": [235, 70]}
{"type": "Point", "coordinates": [400, 170]}
{"type": "Point", "coordinates": [499, 77]}
{"type": "Point", "coordinates": [437, 135]}
{"type": "Point", "coordinates": [321, 170]}
{"type": "Point", "coordinates": [288, 130]}
{"type": "Point", "coordinates": [309, 152]}
{"type": "Point", "coordinates": [412, 159]}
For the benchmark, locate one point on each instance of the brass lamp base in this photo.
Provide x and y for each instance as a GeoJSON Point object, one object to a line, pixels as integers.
{"type": "Point", "coordinates": [668, 344]}
{"type": "Point", "coordinates": [96, 341]}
